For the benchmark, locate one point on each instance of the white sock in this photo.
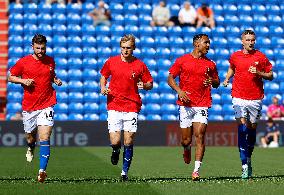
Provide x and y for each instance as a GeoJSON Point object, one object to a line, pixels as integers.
{"type": "Point", "coordinates": [123, 173]}
{"type": "Point", "coordinates": [245, 166]}
{"type": "Point", "coordinates": [197, 166]}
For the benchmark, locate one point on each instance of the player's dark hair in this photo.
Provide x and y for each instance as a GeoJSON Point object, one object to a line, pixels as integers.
{"type": "Point", "coordinates": [199, 36]}
{"type": "Point", "coordinates": [126, 38]}
{"type": "Point", "coordinates": [39, 39]}
{"type": "Point", "coordinates": [248, 32]}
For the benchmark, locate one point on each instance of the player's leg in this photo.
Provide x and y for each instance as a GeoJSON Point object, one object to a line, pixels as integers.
{"type": "Point", "coordinates": [114, 127]}
{"type": "Point", "coordinates": [199, 124]}
{"type": "Point", "coordinates": [130, 128]}
{"type": "Point", "coordinates": [45, 124]}
{"type": "Point", "coordinates": [254, 113]}
{"type": "Point", "coordinates": [29, 121]}
{"type": "Point", "coordinates": [185, 117]}
{"type": "Point", "coordinates": [241, 118]}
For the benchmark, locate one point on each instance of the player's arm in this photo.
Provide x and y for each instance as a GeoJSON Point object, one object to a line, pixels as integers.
{"type": "Point", "coordinates": [229, 75]}
{"type": "Point", "coordinates": [104, 89]}
{"type": "Point", "coordinates": [145, 86]}
{"type": "Point", "coordinates": [172, 83]}
{"type": "Point", "coordinates": [19, 80]}
{"type": "Point", "coordinates": [264, 75]}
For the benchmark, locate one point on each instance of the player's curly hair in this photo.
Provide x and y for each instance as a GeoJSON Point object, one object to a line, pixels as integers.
{"type": "Point", "coordinates": [128, 37]}
{"type": "Point", "coordinates": [39, 39]}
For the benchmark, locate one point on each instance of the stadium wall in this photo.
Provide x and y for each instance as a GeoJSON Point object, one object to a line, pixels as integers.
{"type": "Point", "coordinates": [150, 133]}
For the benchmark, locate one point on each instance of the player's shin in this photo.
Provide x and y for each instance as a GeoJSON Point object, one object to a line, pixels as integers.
{"type": "Point", "coordinates": [251, 141]}
{"type": "Point", "coordinates": [44, 152]}
{"type": "Point", "coordinates": [243, 143]}
{"type": "Point", "coordinates": [127, 157]}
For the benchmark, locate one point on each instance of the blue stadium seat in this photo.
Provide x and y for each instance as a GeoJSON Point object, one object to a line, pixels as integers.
{"type": "Point", "coordinates": [75, 86]}
{"type": "Point", "coordinates": [15, 52]}
{"type": "Point", "coordinates": [220, 20]}
{"type": "Point", "coordinates": [88, 41]}
{"type": "Point", "coordinates": [61, 108]}
{"type": "Point", "coordinates": [88, 29]}
{"type": "Point", "coordinates": [229, 117]}
{"type": "Point", "coordinates": [162, 41]}
{"type": "Point", "coordinates": [28, 50]}
{"type": "Point", "coordinates": [152, 98]}
{"type": "Point", "coordinates": [101, 62]}
{"type": "Point", "coordinates": [75, 63]}
{"type": "Point", "coordinates": [74, 29]}
{"type": "Point", "coordinates": [75, 97]}
{"type": "Point", "coordinates": [75, 8]}
{"type": "Point", "coordinates": [131, 29]}
{"type": "Point", "coordinates": [279, 52]}
{"type": "Point", "coordinates": [87, 7]}
{"type": "Point", "coordinates": [91, 86]}
{"type": "Point", "coordinates": [30, 8]}
{"type": "Point", "coordinates": [59, 41]}
{"type": "Point", "coordinates": [152, 108]}
{"type": "Point", "coordinates": [62, 74]}
{"type": "Point", "coordinates": [61, 63]}
{"type": "Point", "coordinates": [14, 97]}
{"type": "Point", "coordinates": [91, 97]}
{"type": "Point", "coordinates": [271, 87]}
{"type": "Point", "coordinates": [167, 98]}
{"type": "Point", "coordinates": [15, 29]}
{"type": "Point", "coordinates": [12, 62]}
{"type": "Point", "coordinates": [103, 116]}
{"type": "Point", "coordinates": [75, 117]}
{"type": "Point", "coordinates": [215, 117]}
{"type": "Point", "coordinates": [275, 20]}
{"type": "Point", "coordinates": [161, 31]}
{"type": "Point", "coordinates": [163, 53]}
{"type": "Point", "coordinates": [216, 98]}
{"type": "Point", "coordinates": [30, 29]}
{"type": "Point", "coordinates": [130, 8]}
{"type": "Point", "coordinates": [59, 18]}
{"type": "Point", "coordinates": [13, 107]}
{"type": "Point", "coordinates": [86, 19]}
{"type": "Point", "coordinates": [91, 108]}
{"type": "Point", "coordinates": [104, 52]}
{"type": "Point", "coordinates": [89, 52]}
{"type": "Point", "coordinates": [218, 9]}
{"type": "Point", "coordinates": [59, 29]}
{"type": "Point", "coordinates": [151, 63]}
{"type": "Point", "coordinates": [103, 41]}
{"type": "Point", "coordinates": [73, 18]}
{"type": "Point", "coordinates": [216, 109]}
{"type": "Point", "coordinates": [117, 19]}
{"type": "Point", "coordinates": [117, 30]}
{"type": "Point", "coordinates": [244, 9]}
{"type": "Point", "coordinates": [102, 108]}
{"type": "Point", "coordinates": [219, 42]}
{"type": "Point", "coordinates": [90, 75]}
{"type": "Point", "coordinates": [74, 75]}
{"type": "Point", "coordinates": [276, 31]}
{"type": "Point", "coordinates": [74, 52]}
{"type": "Point", "coordinates": [226, 98]}
{"type": "Point", "coordinates": [175, 31]}
{"type": "Point", "coordinates": [227, 109]}
{"type": "Point", "coordinates": [91, 117]}
{"type": "Point", "coordinates": [231, 20]}
{"type": "Point", "coordinates": [273, 9]}
{"type": "Point", "coordinates": [62, 97]}
{"type": "Point", "coordinates": [164, 64]}
{"type": "Point", "coordinates": [164, 87]}
{"type": "Point", "coordinates": [15, 8]}
{"type": "Point", "coordinates": [246, 19]}
{"type": "Point", "coordinates": [277, 42]}
{"type": "Point", "coordinates": [263, 42]}
{"type": "Point", "coordinates": [153, 117]}
{"type": "Point", "coordinates": [169, 117]}
{"type": "Point", "coordinates": [222, 53]}
{"type": "Point", "coordinates": [15, 41]}
{"type": "Point", "coordinates": [169, 109]}
{"type": "Point", "coordinates": [11, 87]}
{"type": "Point", "coordinates": [45, 18]}
{"type": "Point", "coordinates": [146, 30]}
{"type": "Point", "coordinates": [60, 117]}
{"type": "Point", "coordinates": [260, 20]}
{"type": "Point", "coordinates": [116, 51]}
{"type": "Point", "coordinates": [16, 18]}
{"type": "Point", "coordinates": [74, 41]}
{"type": "Point", "coordinates": [45, 29]}
{"type": "Point", "coordinates": [174, 8]}
{"type": "Point", "coordinates": [144, 8]}
{"type": "Point", "coordinates": [144, 19]}
{"type": "Point", "coordinates": [269, 53]}
{"type": "Point", "coordinates": [258, 9]}
{"type": "Point", "coordinates": [131, 19]}
{"type": "Point", "coordinates": [162, 75]}
{"type": "Point", "coordinates": [75, 108]}
{"type": "Point", "coordinates": [262, 30]}
{"type": "Point", "coordinates": [280, 66]}
{"type": "Point", "coordinates": [148, 52]}
{"type": "Point", "coordinates": [141, 117]}
{"type": "Point", "coordinates": [62, 88]}
{"type": "Point", "coordinates": [230, 8]}
{"type": "Point", "coordinates": [58, 8]}
{"type": "Point", "coordinates": [147, 41]}
{"type": "Point", "coordinates": [116, 8]}
{"type": "Point", "coordinates": [176, 42]}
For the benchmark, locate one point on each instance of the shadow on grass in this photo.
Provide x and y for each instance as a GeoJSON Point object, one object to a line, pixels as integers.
{"type": "Point", "coordinates": [139, 180]}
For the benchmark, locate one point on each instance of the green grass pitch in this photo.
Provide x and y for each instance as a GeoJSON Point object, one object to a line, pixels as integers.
{"type": "Point", "coordinates": [154, 170]}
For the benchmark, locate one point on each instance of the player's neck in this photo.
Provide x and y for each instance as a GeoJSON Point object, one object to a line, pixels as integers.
{"type": "Point", "coordinates": [36, 58]}
{"type": "Point", "coordinates": [128, 59]}
{"type": "Point", "coordinates": [247, 51]}
{"type": "Point", "coordinates": [197, 54]}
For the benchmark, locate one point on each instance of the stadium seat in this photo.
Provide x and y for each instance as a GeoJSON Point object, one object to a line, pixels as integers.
{"type": "Point", "coordinates": [131, 29]}
{"type": "Point", "coordinates": [15, 41]}
{"type": "Point", "coordinates": [161, 41]}
{"type": "Point", "coordinates": [216, 98]}
{"type": "Point", "coordinates": [146, 30]}
{"type": "Point", "coordinates": [229, 117]}
{"type": "Point", "coordinates": [75, 108]}
{"type": "Point", "coordinates": [152, 108]}
{"type": "Point", "coordinates": [88, 41]}
{"type": "Point", "coordinates": [227, 109]}
{"type": "Point", "coordinates": [231, 20]}
{"type": "Point", "coordinates": [131, 19]}
{"type": "Point", "coordinates": [30, 29]}
{"type": "Point", "coordinates": [144, 19]}
{"type": "Point", "coordinates": [274, 20]}
{"type": "Point", "coordinates": [61, 63]}
{"type": "Point", "coordinates": [117, 30]}
{"type": "Point", "coordinates": [167, 98]}
{"type": "Point", "coordinates": [271, 87]}
{"type": "Point", "coordinates": [104, 52]}
{"type": "Point", "coordinates": [75, 8]}
{"type": "Point", "coordinates": [258, 9]}
{"type": "Point", "coordinates": [152, 98]}
{"type": "Point", "coordinates": [153, 117]}
{"type": "Point", "coordinates": [13, 107]}
{"type": "Point", "coordinates": [75, 97]}
{"type": "Point", "coordinates": [215, 117]}
{"type": "Point", "coordinates": [59, 29]}
{"type": "Point", "coordinates": [62, 97]}
{"type": "Point", "coordinates": [90, 75]}
{"type": "Point", "coordinates": [59, 18]}
{"type": "Point", "coordinates": [74, 29]}
{"type": "Point", "coordinates": [148, 52]}
{"type": "Point", "coordinates": [62, 74]}
{"type": "Point", "coordinates": [91, 117]}
{"type": "Point", "coordinates": [74, 52]}
{"type": "Point", "coordinates": [75, 86]}
{"type": "Point", "coordinates": [15, 8]}
{"type": "Point", "coordinates": [91, 97]}
{"type": "Point", "coordinates": [60, 108]}
{"type": "Point", "coordinates": [103, 41]}
{"type": "Point", "coordinates": [15, 52]}
{"type": "Point", "coordinates": [222, 53]}
{"type": "Point", "coordinates": [11, 87]}
{"type": "Point", "coordinates": [91, 86]}
{"type": "Point", "coordinates": [15, 29]}
{"type": "Point", "coordinates": [160, 31]}
{"type": "Point", "coordinates": [16, 18]}
{"type": "Point", "coordinates": [91, 108]}
{"type": "Point", "coordinates": [164, 64]}
{"type": "Point", "coordinates": [164, 87]}
{"type": "Point", "coordinates": [176, 42]}
{"type": "Point", "coordinates": [30, 8]}
{"type": "Point", "coordinates": [75, 75]}
{"type": "Point", "coordinates": [75, 117]}
{"type": "Point", "coordinates": [276, 31]}
{"type": "Point", "coordinates": [58, 8]}
{"type": "Point", "coordinates": [230, 8]}
{"type": "Point", "coordinates": [169, 109]}
{"type": "Point", "coordinates": [117, 19]}
{"type": "Point", "coordinates": [89, 52]}
{"type": "Point", "coordinates": [272, 9]}
{"type": "Point", "coordinates": [218, 9]}
{"type": "Point", "coordinates": [244, 9]}
{"type": "Point", "coordinates": [169, 117]}
{"type": "Point", "coordinates": [102, 108]}
{"type": "Point", "coordinates": [60, 117]}
{"type": "Point", "coordinates": [130, 8]}
{"type": "Point", "coordinates": [220, 20]}
{"type": "Point", "coordinates": [14, 97]}
{"type": "Point", "coordinates": [151, 63]}
{"type": "Point", "coordinates": [116, 8]}
{"type": "Point", "coordinates": [163, 53]}
{"type": "Point", "coordinates": [144, 8]}
{"type": "Point", "coordinates": [103, 116]}
{"type": "Point", "coordinates": [175, 31]}
{"type": "Point", "coordinates": [45, 29]}
{"type": "Point", "coordinates": [226, 98]}
{"type": "Point", "coordinates": [88, 29]}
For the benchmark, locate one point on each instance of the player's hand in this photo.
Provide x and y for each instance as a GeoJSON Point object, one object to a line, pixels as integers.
{"type": "Point", "coordinates": [183, 96]}
{"type": "Point", "coordinates": [105, 91]}
{"type": "Point", "coordinates": [140, 85]}
{"type": "Point", "coordinates": [57, 82]}
{"type": "Point", "coordinates": [28, 82]}
{"type": "Point", "coordinates": [208, 81]}
{"type": "Point", "coordinates": [225, 83]}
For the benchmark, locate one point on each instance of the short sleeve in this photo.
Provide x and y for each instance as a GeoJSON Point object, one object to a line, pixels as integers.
{"type": "Point", "coordinates": [175, 70]}
{"type": "Point", "coordinates": [17, 69]}
{"type": "Point", "coordinates": [105, 71]}
{"type": "Point", "coordinates": [146, 75]}
{"type": "Point", "coordinates": [231, 61]}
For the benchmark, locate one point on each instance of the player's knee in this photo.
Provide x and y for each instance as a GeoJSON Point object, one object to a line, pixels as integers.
{"type": "Point", "coordinates": [185, 141]}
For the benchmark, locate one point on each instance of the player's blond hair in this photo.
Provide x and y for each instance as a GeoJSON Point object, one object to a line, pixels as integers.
{"type": "Point", "coordinates": [126, 38]}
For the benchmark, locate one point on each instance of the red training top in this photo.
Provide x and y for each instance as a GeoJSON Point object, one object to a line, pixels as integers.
{"type": "Point", "coordinates": [41, 95]}
{"type": "Point", "coordinates": [192, 73]}
{"type": "Point", "coordinates": [247, 85]}
{"type": "Point", "coordinates": [124, 96]}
